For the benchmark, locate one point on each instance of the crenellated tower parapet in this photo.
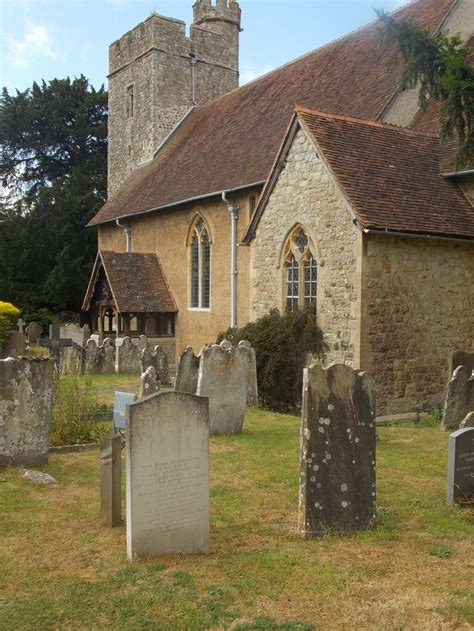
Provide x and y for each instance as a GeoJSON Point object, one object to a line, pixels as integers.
{"type": "Point", "coordinates": [156, 74]}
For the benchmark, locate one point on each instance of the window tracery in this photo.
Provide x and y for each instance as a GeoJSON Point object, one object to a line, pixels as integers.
{"type": "Point", "coordinates": [200, 265]}
{"type": "Point", "coordinates": [300, 271]}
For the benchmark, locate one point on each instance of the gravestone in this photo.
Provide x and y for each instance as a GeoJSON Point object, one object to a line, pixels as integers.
{"type": "Point", "coordinates": [26, 390]}
{"type": "Point", "coordinates": [223, 379]}
{"type": "Point", "coordinates": [72, 360]}
{"type": "Point", "coordinates": [468, 421]}
{"type": "Point", "coordinates": [128, 357]}
{"type": "Point", "coordinates": [252, 387]}
{"type": "Point", "coordinates": [111, 480]}
{"type": "Point", "coordinates": [54, 342]}
{"type": "Point", "coordinates": [337, 479]}
{"type": "Point", "coordinates": [15, 345]}
{"type": "Point", "coordinates": [33, 332]}
{"type": "Point", "coordinates": [188, 372]}
{"type": "Point", "coordinates": [461, 467]}
{"type": "Point", "coordinates": [149, 383]}
{"type": "Point", "coordinates": [79, 335]}
{"type": "Point", "coordinates": [91, 357]}
{"type": "Point", "coordinates": [167, 460]}
{"type": "Point", "coordinates": [162, 366]}
{"type": "Point", "coordinates": [461, 358]}
{"type": "Point", "coordinates": [459, 398]}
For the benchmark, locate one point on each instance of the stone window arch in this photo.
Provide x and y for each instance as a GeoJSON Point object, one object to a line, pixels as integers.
{"type": "Point", "coordinates": [299, 262]}
{"type": "Point", "coordinates": [199, 245]}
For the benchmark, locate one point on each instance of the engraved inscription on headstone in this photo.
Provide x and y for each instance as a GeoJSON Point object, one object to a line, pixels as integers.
{"type": "Point", "coordinates": [337, 481]}
{"type": "Point", "coordinates": [461, 467]}
{"type": "Point", "coordinates": [167, 475]}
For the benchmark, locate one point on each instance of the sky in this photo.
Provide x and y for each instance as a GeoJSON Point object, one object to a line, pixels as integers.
{"type": "Point", "coordinates": [46, 39]}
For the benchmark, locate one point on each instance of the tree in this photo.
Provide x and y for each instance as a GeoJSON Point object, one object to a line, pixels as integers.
{"type": "Point", "coordinates": [53, 165]}
{"type": "Point", "coordinates": [439, 65]}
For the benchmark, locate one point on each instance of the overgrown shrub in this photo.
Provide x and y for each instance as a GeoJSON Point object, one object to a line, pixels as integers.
{"type": "Point", "coordinates": [75, 402]}
{"type": "Point", "coordinates": [43, 316]}
{"type": "Point", "coordinates": [9, 315]}
{"type": "Point", "coordinates": [282, 344]}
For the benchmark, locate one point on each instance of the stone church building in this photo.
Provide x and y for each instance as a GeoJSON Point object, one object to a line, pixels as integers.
{"type": "Point", "coordinates": [317, 184]}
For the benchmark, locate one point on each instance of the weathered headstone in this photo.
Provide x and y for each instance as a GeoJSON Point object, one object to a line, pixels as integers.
{"type": "Point", "coordinates": [461, 358]}
{"type": "Point", "coordinates": [99, 359]}
{"type": "Point", "coordinates": [33, 331]}
{"type": "Point", "coordinates": [26, 389]}
{"type": "Point", "coordinates": [337, 480]}
{"type": "Point", "coordinates": [252, 387]}
{"type": "Point", "coordinates": [167, 475]}
{"type": "Point", "coordinates": [72, 360]}
{"type": "Point", "coordinates": [188, 372]}
{"type": "Point", "coordinates": [468, 421]}
{"type": "Point", "coordinates": [91, 357]}
{"type": "Point", "coordinates": [459, 398]}
{"type": "Point", "coordinates": [149, 383]}
{"type": "Point", "coordinates": [461, 467]}
{"type": "Point", "coordinates": [128, 357]}
{"type": "Point", "coordinates": [162, 365]}
{"type": "Point", "coordinates": [223, 379]}
{"type": "Point", "coordinates": [111, 480]}
{"type": "Point", "coordinates": [15, 345]}
{"type": "Point", "coordinates": [75, 333]}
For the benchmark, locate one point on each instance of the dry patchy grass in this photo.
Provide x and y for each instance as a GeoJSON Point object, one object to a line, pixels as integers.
{"type": "Point", "coordinates": [60, 568]}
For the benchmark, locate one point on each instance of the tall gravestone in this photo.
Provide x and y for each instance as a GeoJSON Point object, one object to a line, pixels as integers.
{"type": "Point", "coordinates": [111, 480]}
{"type": "Point", "coordinates": [461, 467]}
{"type": "Point", "coordinates": [459, 398]}
{"type": "Point", "coordinates": [188, 372]}
{"type": "Point", "coordinates": [223, 373]}
{"type": "Point", "coordinates": [337, 478]}
{"type": "Point", "coordinates": [167, 446]}
{"type": "Point", "coordinates": [26, 390]}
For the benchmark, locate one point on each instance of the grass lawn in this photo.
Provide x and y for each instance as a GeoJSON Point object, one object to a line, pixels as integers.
{"type": "Point", "coordinates": [107, 384]}
{"type": "Point", "coordinates": [60, 569]}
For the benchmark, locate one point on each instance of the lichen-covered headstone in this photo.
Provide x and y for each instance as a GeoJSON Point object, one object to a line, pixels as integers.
{"type": "Point", "coordinates": [33, 332]}
{"type": "Point", "coordinates": [337, 479]}
{"type": "Point", "coordinates": [461, 467]}
{"type": "Point", "coordinates": [167, 486]}
{"type": "Point", "coordinates": [26, 390]}
{"type": "Point", "coordinates": [252, 387]}
{"type": "Point", "coordinates": [459, 398]}
{"type": "Point", "coordinates": [162, 365]}
{"type": "Point", "coordinates": [91, 357]}
{"type": "Point", "coordinates": [71, 360]}
{"type": "Point", "coordinates": [128, 357]}
{"type": "Point", "coordinates": [188, 372]}
{"type": "Point", "coordinates": [468, 421]}
{"type": "Point", "coordinates": [149, 382]}
{"type": "Point", "coordinates": [223, 379]}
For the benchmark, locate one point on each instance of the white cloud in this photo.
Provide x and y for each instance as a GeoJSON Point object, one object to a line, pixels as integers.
{"type": "Point", "coordinates": [36, 42]}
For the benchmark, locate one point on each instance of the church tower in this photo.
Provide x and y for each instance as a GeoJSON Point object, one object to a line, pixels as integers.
{"type": "Point", "coordinates": [156, 74]}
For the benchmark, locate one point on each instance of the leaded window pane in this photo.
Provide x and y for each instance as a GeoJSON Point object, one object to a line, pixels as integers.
{"type": "Point", "coordinates": [206, 272]}
{"type": "Point", "coordinates": [292, 279]}
{"type": "Point", "coordinates": [310, 281]}
{"type": "Point", "coordinates": [195, 271]}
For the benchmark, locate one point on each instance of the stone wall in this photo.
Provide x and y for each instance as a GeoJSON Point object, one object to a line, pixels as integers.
{"type": "Point", "coordinates": [154, 61]}
{"type": "Point", "coordinates": [418, 309]}
{"type": "Point", "coordinates": [26, 390]}
{"type": "Point", "coordinates": [305, 194]}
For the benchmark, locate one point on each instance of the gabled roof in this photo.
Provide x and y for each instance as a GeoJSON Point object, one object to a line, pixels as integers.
{"type": "Point", "coordinates": [230, 143]}
{"type": "Point", "coordinates": [388, 175]}
{"type": "Point", "coordinates": [136, 280]}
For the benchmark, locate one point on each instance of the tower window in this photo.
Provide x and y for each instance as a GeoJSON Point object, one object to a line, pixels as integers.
{"type": "Point", "coordinates": [130, 102]}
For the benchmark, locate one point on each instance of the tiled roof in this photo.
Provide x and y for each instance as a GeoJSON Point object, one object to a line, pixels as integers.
{"type": "Point", "coordinates": [390, 176]}
{"type": "Point", "coordinates": [231, 142]}
{"type": "Point", "coordinates": [137, 282]}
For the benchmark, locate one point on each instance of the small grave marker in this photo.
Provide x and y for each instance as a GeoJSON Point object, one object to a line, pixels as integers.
{"type": "Point", "coordinates": [461, 467]}
{"type": "Point", "coordinates": [111, 480]}
{"type": "Point", "coordinates": [121, 400]}
{"type": "Point", "coordinates": [54, 342]}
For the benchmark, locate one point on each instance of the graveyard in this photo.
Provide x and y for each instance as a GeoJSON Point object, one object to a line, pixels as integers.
{"type": "Point", "coordinates": [61, 568]}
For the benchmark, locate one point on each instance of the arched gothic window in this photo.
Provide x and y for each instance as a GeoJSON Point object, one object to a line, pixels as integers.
{"type": "Point", "coordinates": [200, 272]}
{"type": "Point", "coordinates": [300, 271]}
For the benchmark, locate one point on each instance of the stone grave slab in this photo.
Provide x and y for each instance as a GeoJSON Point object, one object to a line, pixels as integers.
{"type": "Point", "coordinates": [111, 480]}
{"type": "Point", "coordinates": [337, 467]}
{"type": "Point", "coordinates": [167, 446]}
{"type": "Point", "coordinates": [459, 399]}
{"type": "Point", "coordinates": [461, 467]}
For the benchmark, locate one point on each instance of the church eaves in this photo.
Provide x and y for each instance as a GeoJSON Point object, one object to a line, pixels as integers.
{"type": "Point", "coordinates": [231, 142]}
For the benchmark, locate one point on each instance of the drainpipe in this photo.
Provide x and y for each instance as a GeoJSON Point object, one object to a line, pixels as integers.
{"type": "Point", "coordinates": [234, 213]}
{"type": "Point", "coordinates": [128, 235]}
{"type": "Point", "coordinates": [193, 78]}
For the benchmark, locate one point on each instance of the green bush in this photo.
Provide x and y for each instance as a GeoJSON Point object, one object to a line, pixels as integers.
{"type": "Point", "coordinates": [74, 404]}
{"type": "Point", "coordinates": [281, 343]}
{"type": "Point", "coordinates": [9, 315]}
{"type": "Point", "coordinates": [43, 316]}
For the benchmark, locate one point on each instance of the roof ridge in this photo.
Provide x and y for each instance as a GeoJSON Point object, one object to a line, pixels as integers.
{"type": "Point", "coordinates": [365, 121]}
{"type": "Point", "coordinates": [307, 54]}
